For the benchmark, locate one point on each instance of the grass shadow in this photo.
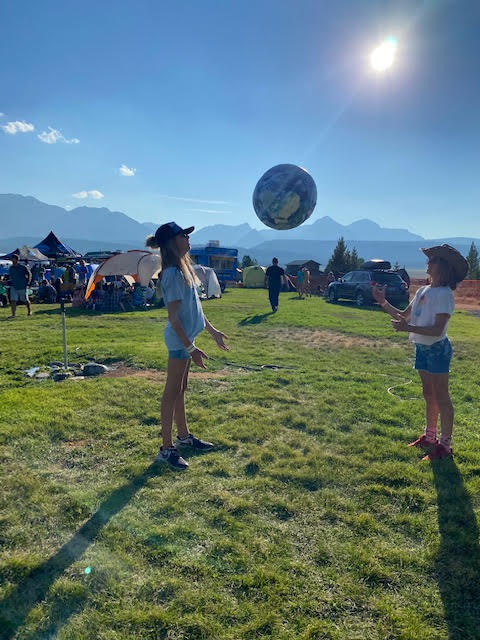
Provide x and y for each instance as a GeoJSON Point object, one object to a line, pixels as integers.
{"type": "Point", "coordinates": [257, 319]}
{"type": "Point", "coordinates": [457, 566]}
{"type": "Point", "coordinates": [33, 588]}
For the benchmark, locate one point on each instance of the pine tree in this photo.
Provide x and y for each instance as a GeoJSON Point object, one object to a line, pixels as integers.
{"type": "Point", "coordinates": [355, 261]}
{"type": "Point", "coordinates": [247, 261]}
{"type": "Point", "coordinates": [347, 265]}
{"type": "Point", "coordinates": [473, 263]}
{"type": "Point", "coordinates": [338, 258]}
{"type": "Point", "coordinates": [343, 260]}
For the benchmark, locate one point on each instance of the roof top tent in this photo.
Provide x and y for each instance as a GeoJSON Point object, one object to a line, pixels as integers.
{"type": "Point", "coordinates": [223, 260]}
{"type": "Point", "coordinates": [376, 263]}
{"type": "Point", "coordinates": [56, 250]}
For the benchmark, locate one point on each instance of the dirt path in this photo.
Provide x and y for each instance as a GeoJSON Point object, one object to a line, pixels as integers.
{"type": "Point", "coordinates": [125, 371]}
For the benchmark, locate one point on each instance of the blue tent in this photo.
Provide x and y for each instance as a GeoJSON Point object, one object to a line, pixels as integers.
{"type": "Point", "coordinates": [56, 250]}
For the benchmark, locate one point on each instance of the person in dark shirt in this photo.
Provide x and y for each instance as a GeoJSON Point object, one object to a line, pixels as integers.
{"type": "Point", "coordinates": [46, 292]}
{"type": "Point", "coordinates": [273, 279]}
{"type": "Point", "coordinates": [20, 278]}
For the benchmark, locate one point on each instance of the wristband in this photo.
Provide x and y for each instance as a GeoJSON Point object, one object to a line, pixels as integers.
{"type": "Point", "coordinates": [191, 348]}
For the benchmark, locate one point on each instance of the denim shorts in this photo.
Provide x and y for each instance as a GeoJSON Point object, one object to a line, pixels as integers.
{"type": "Point", "coordinates": [434, 358]}
{"type": "Point", "coordinates": [18, 295]}
{"type": "Point", "coordinates": [179, 354]}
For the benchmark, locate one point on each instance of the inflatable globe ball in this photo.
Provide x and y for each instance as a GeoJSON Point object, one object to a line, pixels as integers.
{"type": "Point", "coordinates": [285, 196]}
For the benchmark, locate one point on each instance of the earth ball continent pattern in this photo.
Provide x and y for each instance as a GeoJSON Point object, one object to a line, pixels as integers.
{"type": "Point", "coordinates": [285, 196]}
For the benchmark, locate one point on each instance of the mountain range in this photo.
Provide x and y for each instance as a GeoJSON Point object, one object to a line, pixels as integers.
{"type": "Point", "coordinates": [322, 229]}
{"type": "Point", "coordinates": [26, 220]}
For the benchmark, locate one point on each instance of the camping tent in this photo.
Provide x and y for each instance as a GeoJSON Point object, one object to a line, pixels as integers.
{"type": "Point", "coordinates": [208, 278]}
{"type": "Point", "coordinates": [141, 265]}
{"type": "Point", "coordinates": [254, 277]}
{"type": "Point", "coordinates": [56, 250]}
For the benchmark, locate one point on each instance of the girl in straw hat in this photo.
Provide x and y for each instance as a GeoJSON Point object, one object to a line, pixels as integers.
{"type": "Point", "coordinates": [185, 321]}
{"type": "Point", "coordinates": [426, 319]}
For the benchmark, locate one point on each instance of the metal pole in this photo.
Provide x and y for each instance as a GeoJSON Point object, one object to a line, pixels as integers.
{"type": "Point", "coordinates": [64, 328]}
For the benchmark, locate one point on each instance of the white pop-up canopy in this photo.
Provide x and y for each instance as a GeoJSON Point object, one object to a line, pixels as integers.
{"type": "Point", "coordinates": [27, 254]}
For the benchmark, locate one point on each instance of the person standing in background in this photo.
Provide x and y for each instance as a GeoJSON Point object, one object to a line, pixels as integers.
{"type": "Point", "coordinates": [273, 280]}
{"type": "Point", "coordinates": [20, 278]}
{"type": "Point", "coordinates": [82, 272]}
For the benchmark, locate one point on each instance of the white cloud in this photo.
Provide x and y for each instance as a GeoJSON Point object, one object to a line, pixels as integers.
{"type": "Point", "coordinates": [81, 195]}
{"type": "Point", "coordinates": [18, 126]}
{"type": "Point", "coordinates": [126, 171]}
{"type": "Point", "coordinates": [54, 136]}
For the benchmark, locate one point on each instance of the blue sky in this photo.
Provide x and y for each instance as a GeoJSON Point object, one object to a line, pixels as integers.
{"type": "Point", "coordinates": [202, 97]}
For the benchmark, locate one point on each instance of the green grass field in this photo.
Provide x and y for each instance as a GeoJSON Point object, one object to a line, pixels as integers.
{"type": "Point", "coordinates": [311, 520]}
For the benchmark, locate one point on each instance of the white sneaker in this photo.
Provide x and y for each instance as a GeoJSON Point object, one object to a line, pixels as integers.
{"type": "Point", "coordinates": [172, 457]}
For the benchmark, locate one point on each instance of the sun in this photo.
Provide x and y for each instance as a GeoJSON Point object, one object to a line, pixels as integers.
{"type": "Point", "coordinates": [383, 57]}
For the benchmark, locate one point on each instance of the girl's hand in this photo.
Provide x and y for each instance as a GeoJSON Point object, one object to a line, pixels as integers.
{"type": "Point", "coordinates": [378, 292]}
{"type": "Point", "coordinates": [218, 336]}
{"type": "Point", "coordinates": [197, 356]}
{"type": "Point", "coordinates": [399, 324]}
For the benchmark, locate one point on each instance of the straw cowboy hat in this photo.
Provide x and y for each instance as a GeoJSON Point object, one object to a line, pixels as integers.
{"type": "Point", "coordinates": [452, 256]}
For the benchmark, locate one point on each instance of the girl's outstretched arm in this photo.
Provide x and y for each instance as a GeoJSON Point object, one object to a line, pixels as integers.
{"type": "Point", "coordinates": [217, 335]}
{"type": "Point", "coordinates": [378, 293]}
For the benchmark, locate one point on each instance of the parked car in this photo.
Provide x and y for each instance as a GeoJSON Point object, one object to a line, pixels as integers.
{"type": "Point", "coordinates": [357, 285]}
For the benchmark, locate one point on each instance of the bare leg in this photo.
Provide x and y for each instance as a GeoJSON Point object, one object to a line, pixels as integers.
{"type": "Point", "coordinates": [445, 406]}
{"type": "Point", "coordinates": [29, 308]}
{"type": "Point", "coordinates": [175, 373]}
{"type": "Point", "coordinates": [180, 416]}
{"type": "Point", "coordinates": [432, 409]}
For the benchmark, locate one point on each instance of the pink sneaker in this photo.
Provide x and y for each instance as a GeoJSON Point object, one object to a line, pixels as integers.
{"type": "Point", "coordinates": [438, 452]}
{"type": "Point", "coordinates": [423, 442]}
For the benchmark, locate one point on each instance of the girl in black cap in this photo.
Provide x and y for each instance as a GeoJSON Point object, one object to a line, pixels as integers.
{"type": "Point", "coordinates": [185, 321]}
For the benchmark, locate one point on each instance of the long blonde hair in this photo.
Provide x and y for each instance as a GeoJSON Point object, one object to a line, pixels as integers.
{"type": "Point", "coordinates": [171, 258]}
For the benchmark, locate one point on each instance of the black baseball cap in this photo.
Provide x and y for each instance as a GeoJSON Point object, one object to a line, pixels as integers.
{"type": "Point", "coordinates": [168, 231]}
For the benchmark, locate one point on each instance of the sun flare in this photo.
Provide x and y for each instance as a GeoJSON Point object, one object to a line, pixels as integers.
{"type": "Point", "coordinates": [383, 57]}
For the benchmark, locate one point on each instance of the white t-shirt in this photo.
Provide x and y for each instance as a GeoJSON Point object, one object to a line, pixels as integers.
{"type": "Point", "coordinates": [427, 303]}
{"type": "Point", "coordinates": [191, 315]}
